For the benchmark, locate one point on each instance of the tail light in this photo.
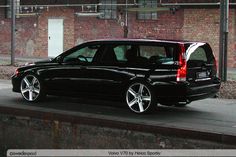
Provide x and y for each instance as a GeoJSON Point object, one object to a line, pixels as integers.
{"type": "Point", "coordinates": [182, 71]}
{"type": "Point", "coordinates": [215, 62]}
{"type": "Point", "coordinates": [16, 72]}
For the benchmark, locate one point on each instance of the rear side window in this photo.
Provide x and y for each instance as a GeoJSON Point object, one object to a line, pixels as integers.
{"type": "Point", "coordinates": [120, 52]}
{"type": "Point", "coordinates": [160, 54]}
{"type": "Point", "coordinates": [149, 51]}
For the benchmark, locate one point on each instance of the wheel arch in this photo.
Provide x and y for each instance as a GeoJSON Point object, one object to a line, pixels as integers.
{"type": "Point", "coordinates": [31, 88]}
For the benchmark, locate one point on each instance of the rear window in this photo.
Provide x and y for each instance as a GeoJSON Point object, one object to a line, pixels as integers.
{"type": "Point", "coordinates": [199, 55]}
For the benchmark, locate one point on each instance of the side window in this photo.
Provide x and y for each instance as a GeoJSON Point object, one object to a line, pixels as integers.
{"type": "Point", "coordinates": [115, 54]}
{"type": "Point", "coordinates": [148, 51]}
{"type": "Point", "coordinates": [198, 55]}
{"type": "Point", "coordinates": [120, 52]}
{"type": "Point", "coordinates": [139, 54]}
{"type": "Point", "coordinates": [158, 54]}
{"type": "Point", "coordinates": [85, 54]}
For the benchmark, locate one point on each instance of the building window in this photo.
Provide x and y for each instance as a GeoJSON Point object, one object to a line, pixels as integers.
{"type": "Point", "coordinates": [108, 11]}
{"type": "Point", "coordinates": [147, 15]}
{"type": "Point", "coordinates": [8, 9]}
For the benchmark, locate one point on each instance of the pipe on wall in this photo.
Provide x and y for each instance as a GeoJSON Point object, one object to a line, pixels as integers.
{"type": "Point", "coordinates": [131, 4]}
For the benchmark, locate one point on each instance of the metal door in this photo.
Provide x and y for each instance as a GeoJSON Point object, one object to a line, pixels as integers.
{"type": "Point", "coordinates": [55, 37]}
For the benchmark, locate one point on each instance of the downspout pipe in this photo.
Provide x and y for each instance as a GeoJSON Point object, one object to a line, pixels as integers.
{"type": "Point", "coordinates": [13, 32]}
{"type": "Point", "coordinates": [130, 4]}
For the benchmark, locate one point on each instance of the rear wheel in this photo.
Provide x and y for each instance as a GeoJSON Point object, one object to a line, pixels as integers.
{"type": "Point", "coordinates": [31, 88]}
{"type": "Point", "coordinates": [140, 98]}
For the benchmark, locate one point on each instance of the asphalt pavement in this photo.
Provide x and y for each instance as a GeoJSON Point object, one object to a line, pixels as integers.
{"type": "Point", "coordinates": [209, 115]}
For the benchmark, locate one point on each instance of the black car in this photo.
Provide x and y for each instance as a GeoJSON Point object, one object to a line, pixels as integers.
{"type": "Point", "coordinates": [140, 72]}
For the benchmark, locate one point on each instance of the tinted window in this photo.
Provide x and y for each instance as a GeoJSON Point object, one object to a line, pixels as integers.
{"type": "Point", "coordinates": [84, 54]}
{"type": "Point", "coordinates": [158, 54]}
{"type": "Point", "coordinates": [120, 51]}
{"type": "Point", "coordinates": [199, 54]}
{"type": "Point", "coordinates": [140, 54]}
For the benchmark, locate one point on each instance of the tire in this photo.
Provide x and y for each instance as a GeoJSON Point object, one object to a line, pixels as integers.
{"type": "Point", "coordinates": [140, 98]}
{"type": "Point", "coordinates": [31, 88]}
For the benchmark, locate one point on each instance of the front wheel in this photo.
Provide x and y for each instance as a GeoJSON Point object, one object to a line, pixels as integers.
{"type": "Point", "coordinates": [140, 98]}
{"type": "Point", "coordinates": [31, 88]}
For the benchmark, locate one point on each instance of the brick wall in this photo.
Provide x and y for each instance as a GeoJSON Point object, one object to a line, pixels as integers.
{"type": "Point", "coordinates": [188, 24]}
{"type": "Point", "coordinates": [94, 28]}
{"type": "Point", "coordinates": [167, 26]}
{"type": "Point", "coordinates": [5, 33]}
{"type": "Point", "coordinates": [26, 33]}
{"type": "Point", "coordinates": [42, 37]}
{"type": "Point", "coordinates": [204, 24]}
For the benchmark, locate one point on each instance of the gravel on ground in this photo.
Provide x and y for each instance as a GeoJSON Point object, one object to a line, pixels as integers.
{"type": "Point", "coordinates": [6, 71]}
{"type": "Point", "coordinates": [228, 90]}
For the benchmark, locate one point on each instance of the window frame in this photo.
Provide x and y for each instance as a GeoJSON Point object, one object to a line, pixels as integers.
{"type": "Point", "coordinates": [8, 11]}
{"type": "Point", "coordinates": [111, 10]}
{"type": "Point", "coordinates": [147, 14]}
{"type": "Point", "coordinates": [97, 54]}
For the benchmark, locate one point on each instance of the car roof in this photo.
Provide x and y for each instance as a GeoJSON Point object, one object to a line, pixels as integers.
{"type": "Point", "coordinates": [144, 40]}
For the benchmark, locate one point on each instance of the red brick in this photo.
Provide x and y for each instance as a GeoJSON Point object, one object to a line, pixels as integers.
{"type": "Point", "coordinates": [186, 24]}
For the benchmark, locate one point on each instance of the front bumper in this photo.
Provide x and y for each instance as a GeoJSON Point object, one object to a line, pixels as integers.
{"type": "Point", "coordinates": [16, 81]}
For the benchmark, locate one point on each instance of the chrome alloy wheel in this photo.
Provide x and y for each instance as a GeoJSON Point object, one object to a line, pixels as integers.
{"type": "Point", "coordinates": [138, 97]}
{"type": "Point", "coordinates": [30, 88]}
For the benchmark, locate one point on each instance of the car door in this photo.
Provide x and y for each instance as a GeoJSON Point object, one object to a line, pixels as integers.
{"type": "Point", "coordinates": [109, 76]}
{"type": "Point", "coordinates": [70, 76]}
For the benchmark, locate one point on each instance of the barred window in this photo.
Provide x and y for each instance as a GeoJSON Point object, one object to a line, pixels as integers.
{"type": "Point", "coordinates": [8, 9]}
{"type": "Point", "coordinates": [147, 15]}
{"type": "Point", "coordinates": [108, 11]}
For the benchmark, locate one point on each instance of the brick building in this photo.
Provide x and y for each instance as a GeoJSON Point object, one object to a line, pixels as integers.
{"type": "Point", "coordinates": [197, 20]}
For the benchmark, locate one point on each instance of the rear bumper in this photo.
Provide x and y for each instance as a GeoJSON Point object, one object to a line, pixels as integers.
{"type": "Point", "coordinates": [184, 92]}
{"type": "Point", "coordinates": [202, 92]}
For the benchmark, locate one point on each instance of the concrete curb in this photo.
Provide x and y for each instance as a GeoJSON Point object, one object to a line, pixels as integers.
{"type": "Point", "coordinates": [102, 121]}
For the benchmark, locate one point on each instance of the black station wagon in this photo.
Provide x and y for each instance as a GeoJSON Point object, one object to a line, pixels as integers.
{"type": "Point", "coordinates": [138, 71]}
